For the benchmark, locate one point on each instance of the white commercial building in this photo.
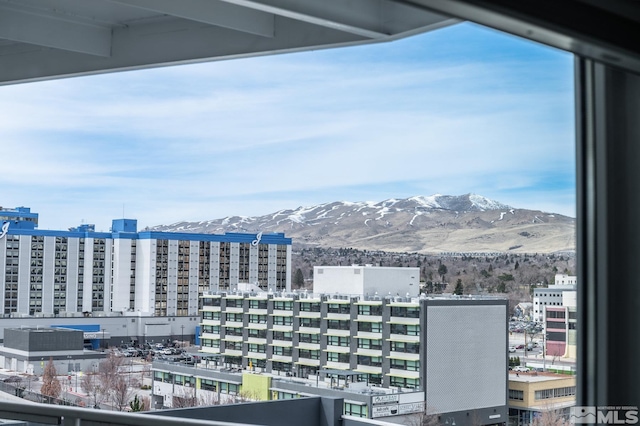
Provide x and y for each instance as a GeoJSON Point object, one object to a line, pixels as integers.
{"type": "Point", "coordinates": [553, 296]}
{"type": "Point", "coordinates": [367, 280]}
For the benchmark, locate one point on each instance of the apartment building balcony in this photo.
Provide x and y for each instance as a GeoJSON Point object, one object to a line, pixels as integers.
{"type": "Point", "coordinates": [308, 314]}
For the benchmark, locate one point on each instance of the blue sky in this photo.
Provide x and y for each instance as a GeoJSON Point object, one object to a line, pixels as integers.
{"type": "Point", "coordinates": [461, 109]}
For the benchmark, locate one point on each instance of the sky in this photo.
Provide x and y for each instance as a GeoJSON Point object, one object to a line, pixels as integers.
{"type": "Point", "coordinates": [462, 109]}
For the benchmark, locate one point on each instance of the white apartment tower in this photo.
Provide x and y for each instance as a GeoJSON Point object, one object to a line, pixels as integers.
{"type": "Point", "coordinates": [152, 273]}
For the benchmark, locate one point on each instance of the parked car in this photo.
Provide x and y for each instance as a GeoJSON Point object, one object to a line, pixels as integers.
{"type": "Point", "coordinates": [521, 369]}
{"type": "Point", "coordinates": [520, 347]}
{"type": "Point", "coordinates": [512, 348]}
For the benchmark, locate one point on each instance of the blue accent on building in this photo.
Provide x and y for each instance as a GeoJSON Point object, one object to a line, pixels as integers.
{"type": "Point", "coordinates": [127, 228]}
{"type": "Point", "coordinates": [20, 218]}
{"type": "Point", "coordinates": [84, 228]}
{"type": "Point", "coordinates": [124, 225]}
{"type": "Point", "coordinates": [197, 340]}
{"type": "Point", "coordinates": [229, 237]}
{"type": "Point", "coordinates": [87, 328]}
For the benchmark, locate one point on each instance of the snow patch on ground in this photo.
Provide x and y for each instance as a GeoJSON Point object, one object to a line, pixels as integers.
{"type": "Point", "coordinates": [382, 212]}
{"type": "Point", "coordinates": [429, 202]}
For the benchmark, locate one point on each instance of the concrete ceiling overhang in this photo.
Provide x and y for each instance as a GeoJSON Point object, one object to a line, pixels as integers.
{"type": "Point", "coordinates": [44, 39]}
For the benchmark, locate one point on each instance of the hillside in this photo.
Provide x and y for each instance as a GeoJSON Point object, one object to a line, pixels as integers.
{"type": "Point", "coordinates": [430, 225]}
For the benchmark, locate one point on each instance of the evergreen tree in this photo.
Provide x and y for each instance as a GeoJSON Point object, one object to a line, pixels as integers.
{"type": "Point", "coordinates": [136, 405]}
{"type": "Point", "coordinates": [459, 287]}
{"type": "Point", "coordinates": [442, 271]}
{"type": "Point", "coordinates": [298, 278]}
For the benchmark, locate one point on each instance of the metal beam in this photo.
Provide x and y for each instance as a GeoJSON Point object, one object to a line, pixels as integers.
{"type": "Point", "coordinates": [211, 12]}
{"type": "Point", "coordinates": [167, 42]}
{"type": "Point", "coordinates": [44, 29]}
{"type": "Point", "coordinates": [375, 19]}
{"type": "Point", "coordinates": [600, 32]}
{"type": "Point", "coordinates": [608, 154]}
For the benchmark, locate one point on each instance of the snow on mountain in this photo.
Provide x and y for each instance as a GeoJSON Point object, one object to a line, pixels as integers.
{"type": "Point", "coordinates": [420, 223]}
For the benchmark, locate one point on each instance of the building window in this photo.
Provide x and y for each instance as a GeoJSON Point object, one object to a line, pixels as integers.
{"type": "Point", "coordinates": [283, 305]}
{"type": "Point", "coordinates": [229, 388]}
{"type": "Point", "coordinates": [213, 329]}
{"type": "Point", "coordinates": [233, 331]}
{"type": "Point", "coordinates": [405, 330]}
{"type": "Point", "coordinates": [309, 354]}
{"type": "Point", "coordinates": [339, 308]}
{"type": "Point", "coordinates": [211, 316]}
{"type": "Point", "coordinates": [406, 347]}
{"type": "Point", "coordinates": [208, 385]}
{"type": "Point", "coordinates": [232, 317]}
{"type": "Point", "coordinates": [286, 336]}
{"type": "Point", "coordinates": [233, 346]}
{"type": "Point", "coordinates": [403, 364]}
{"type": "Point", "coordinates": [338, 341]}
{"type": "Point", "coordinates": [257, 304]}
{"type": "Point", "coordinates": [210, 343]}
{"type": "Point", "coordinates": [282, 320]}
{"type": "Point", "coordinates": [211, 301]}
{"type": "Point", "coordinates": [338, 357]}
{"type": "Point", "coordinates": [370, 327]}
{"type": "Point", "coordinates": [257, 319]}
{"type": "Point", "coordinates": [257, 348]}
{"type": "Point", "coordinates": [339, 324]}
{"type": "Point", "coordinates": [309, 338]}
{"type": "Point", "coordinates": [555, 393]}
{"type": "Point", "coordinates": [282, 351]}
{"type": "Point", "coordinates": [281, 366]}
{"type": "Point", "coordinates": [309, 307]}
{"type": "Point", "coordinates": [310, 322]}
{"type": "Point", "coordinates": [356, 410]}
{"type": "Point", "coordinates": [405, 312]}
{"type": "Point", "coordinates": [373, 361]}
{"type": "Point", "coordinates": [516, 395]}
{"type": "Point", "coordinates": [404, 382]}
{"type": "Point", "coordinates": [234, 303]}
{"type": "Point", "coordinates": [260, 334]}
{"type": "Point", "coordinates": [375, 344]}
{"type": "Point", "coordinates": [375, 310]}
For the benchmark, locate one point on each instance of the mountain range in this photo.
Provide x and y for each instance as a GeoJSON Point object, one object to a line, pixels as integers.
{"type": "Point", "coordinates": [467, 223]}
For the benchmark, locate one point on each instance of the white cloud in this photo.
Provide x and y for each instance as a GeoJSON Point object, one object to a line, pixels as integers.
{"type": "Point", "coordinates": [171, 143]}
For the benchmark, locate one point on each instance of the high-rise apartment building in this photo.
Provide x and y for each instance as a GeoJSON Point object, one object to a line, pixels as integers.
{"type": "Point", "coordinates": [446, 347]}
{"type": "Point", "coordinates": [153, 273]}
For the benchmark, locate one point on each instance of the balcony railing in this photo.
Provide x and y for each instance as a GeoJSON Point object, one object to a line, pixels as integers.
{"type": "Point", "coordinates": [74, 416]}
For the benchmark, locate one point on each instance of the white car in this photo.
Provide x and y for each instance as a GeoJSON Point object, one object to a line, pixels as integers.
{"type": "Point", "coordinates": [512, 348]}
{"type": "Point", "coordinates": [521, 369]}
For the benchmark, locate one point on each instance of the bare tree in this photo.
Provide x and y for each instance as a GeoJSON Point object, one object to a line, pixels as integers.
{"type": "Point", "coordinates": [109, 371]}
{"type": "Point", "coordinates": [51, 386]}
{"type": "Point", "coordinates": [185, 398]}
{"type": "Point", "coordinates": [549, 417]}
{"type": "Point", "coordinates": [208, 398]}
{"type": "Point", "coordinates": [426, 417]}
{"type": "Point", "coordinates": [92, 386]}
{"type": "Point", "coordinates": [121, 392]}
